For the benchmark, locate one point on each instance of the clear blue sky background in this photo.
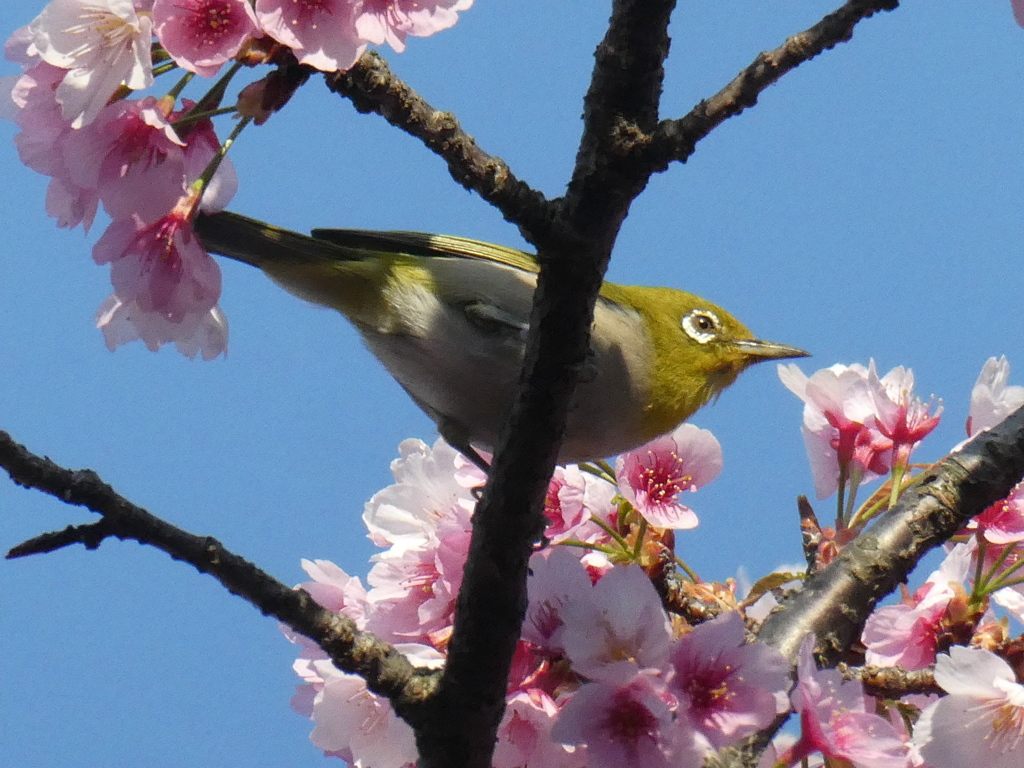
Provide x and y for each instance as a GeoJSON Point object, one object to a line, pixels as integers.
{"type": "Point", "coordinates": [869, 205]}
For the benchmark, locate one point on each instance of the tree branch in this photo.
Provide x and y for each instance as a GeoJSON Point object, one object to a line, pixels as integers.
{"type": "Point", "coordinates": [892, 682]}
{"type": "Point", "coordinates": [835, 602]}
{"type": "Point", "coordinates": [677, 139]}
{"type": "Point", "coordinates": [371, 86]}
{"type": "Point", "coordinates": [385, 670]}
{"type": "Point", "coordinates": [509, 517]}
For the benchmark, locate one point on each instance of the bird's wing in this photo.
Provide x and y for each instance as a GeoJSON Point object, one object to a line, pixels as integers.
{"type": "Point", "coordinates": [428, 245]}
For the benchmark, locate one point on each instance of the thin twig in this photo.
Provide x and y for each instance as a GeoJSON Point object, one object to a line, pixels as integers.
{"type": "Point", "coordinates": [892, 682]}
{"type": "Point", "coordinates": [371, 86]}
{"type": "Point", "coordinates": [677, 139]}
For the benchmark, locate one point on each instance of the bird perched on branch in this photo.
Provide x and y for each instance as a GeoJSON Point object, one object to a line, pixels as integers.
{"type": "Point", "coordinates": [448, 316]}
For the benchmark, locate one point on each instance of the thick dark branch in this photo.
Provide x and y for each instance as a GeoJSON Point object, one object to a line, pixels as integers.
{"type": "Point", "coordinates": [509, 518]}
{"type": "Point", "coordinates": [835, 602]}
{"type": "Point", "coordinates": [677, 139]}
{"type": "Point", "coordinates": [620, 108]}
{"type": "Point", "coordinates": [385, 670]}
{"type": "Point", "coordinates": [372, 87]}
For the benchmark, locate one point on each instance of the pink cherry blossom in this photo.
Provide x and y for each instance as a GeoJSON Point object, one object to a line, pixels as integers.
{"type": "Point", "coordinates": [205, 334]}
{"type": "Point", "coordinates": [524, 737]}
{"type": "Point", "coordinates": [557, 579]}
{"type": "Point", "coordinates": [390, 21]}
{"type": "Point", "coordinates": [1002, 522]}
{"type": "Point", "coordinates": [430, 482]}
{"type": "Point", "coordinates": [992, 399]}
{"type": "Point", "coordinates": [355, 724]}
{"type": "Point", "coordinates": [424, 519]}
{"type": "Point", "coordinates": [727, 689]}
{"type": "Point", "coordinates": [201, 147]}
{"type": "Point", "coordinates": [412, 595]}
{"type": "Point", "coordinates": [980, 724]}
{"type": "Point", "coordinates": [200, 35]}
{"type": "Point", "coordinates": [161, 267]}
{"type": "Point", "coordinates": [1018, 11]}
{"type": "Point", "coordinates": [652, 476]}
{"type": "Point", "coordinates": [833, 720]}
{"type": "Point", "coordinates": [335, 590]}
{"type": "Point", "coordinates": [628, 725]}
{"type": "Point", "coordinates": [899, 414]}
{"type": "Point", "coordinates": [41, 141]}
{"type": "Point", "coordinates": [351, 722]}
{"type": "Point", "coordinates": [839, 427]}
{"type": "Point", "coordinates": [132, 156]}
{"type": "Point", "coordinates": [321, 32]}
{"type": "Point", "coordinates": [573, 496]}
{"type": "Point", "coordinates": [905, 634]}
{"type": "Point", "coordinates": [619, 629]}
{"type": "Point", "coordinates": [103, 44]}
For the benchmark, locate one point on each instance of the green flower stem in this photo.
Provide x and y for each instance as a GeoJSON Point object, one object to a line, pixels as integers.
{"type": "Point", "coordinates": [897, 482]}
{"type": "Point", "coordinates": [193, 117]}
{"type": "Point", "coordinates": [640, 534]}
{"type": "Point", "coordinates": [180, 85]}
{"type": "Point", "coordinates": [686, 569]}
{"type": "Point", "coordinates": [598, 469]}
{"type": "Point", "coordinates": [163, 69]}
{"type": "Point", "coordinates": [611, 532]}
{"type": "Point", "coordinates": [584, 545]}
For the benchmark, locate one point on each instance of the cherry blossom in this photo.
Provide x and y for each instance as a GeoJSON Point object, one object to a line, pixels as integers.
{"type": "Point", "coordinates": [557, 578]}
{"type": "Point", "coordinates": [906, 634]}
{"type": "Point", "coordinates": [834, 722]}
{"type": "Point", "coordinates": [353, 723]}
{"type": "Point", "coordinates": [899, 415]}
{"type": "Point", "coordinates": [321, 32]}
{"type": "Point", "coordinates": [619, 629]}
{"type": "Point", "coordinates": [524, 737]}
{"type": "Point", "coordinates": [726, 688]}
{"type": "Point", "coordinates": [980, 724]}
{"type": "Point", "coordinates": [102, 43]}
{"type": "Point", "coordinates": [573, 496]}
{"type": "Point", "coordinates": [41, 142]}
{"type": "Point", "coordinates": [992, 399]}
{"type": "Point", "coordinates": [840, 433]}
{"type": "Point", "coordinates": [201, 148]}
{"type": "Point", "coordinates": [162, 267]}
{"type": "Point", "coordinates": [652, 476]}
{"type": "Point", "coordinates": [204, 334]}
{"type": "Point", "coordinates": [391, 21]}
{"type": "Point", "coordinates": [200, 35]}
{"type": "Point", "coordinates": [625, 725]}
{"type": "Point", "coordinates": [132, 156]}
{"type": "Point", "coordinates": [1002, 522]}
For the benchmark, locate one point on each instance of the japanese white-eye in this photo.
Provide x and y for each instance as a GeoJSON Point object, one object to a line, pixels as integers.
{"type": "Point", "coordinates": [448, 318]}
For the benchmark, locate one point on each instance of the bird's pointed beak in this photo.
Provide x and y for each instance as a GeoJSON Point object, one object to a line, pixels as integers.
{"type": "Point", "coordinates": [759, 350]}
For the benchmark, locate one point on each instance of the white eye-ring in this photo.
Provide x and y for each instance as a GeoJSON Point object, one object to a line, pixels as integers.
{"type": "Point", "coordinates": [701, 325]}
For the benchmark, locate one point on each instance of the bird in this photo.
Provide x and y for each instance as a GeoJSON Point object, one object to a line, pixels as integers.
{"type": "Point", "coordinates": [448, 317]}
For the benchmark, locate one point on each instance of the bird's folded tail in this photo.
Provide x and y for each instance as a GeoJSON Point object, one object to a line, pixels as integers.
{"type": "Point", "coordinates": [259, 244]}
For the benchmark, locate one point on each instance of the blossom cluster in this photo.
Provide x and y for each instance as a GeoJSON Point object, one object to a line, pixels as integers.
{"type": "Point", "coordinates": [152, 162]}
{"type": "Point", "coordinates": [608, 674]}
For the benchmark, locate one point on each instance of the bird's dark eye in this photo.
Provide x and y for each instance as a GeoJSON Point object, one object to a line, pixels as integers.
{"type": "Point", "coordinates": [701, 325]}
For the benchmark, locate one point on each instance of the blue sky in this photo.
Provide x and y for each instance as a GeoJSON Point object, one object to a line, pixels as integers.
{"type": "Point", "coordinates": [868, 206]}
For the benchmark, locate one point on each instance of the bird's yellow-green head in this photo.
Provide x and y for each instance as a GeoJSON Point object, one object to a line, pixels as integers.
{"type": "Point", "coordinates": [699, 349]}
